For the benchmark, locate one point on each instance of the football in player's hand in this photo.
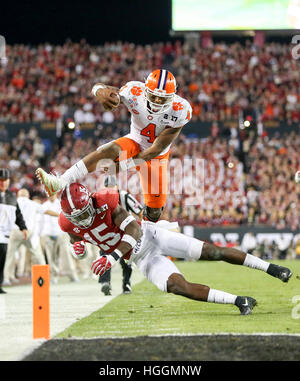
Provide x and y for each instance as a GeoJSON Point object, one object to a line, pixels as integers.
{"type": "Point", "coordinates": [115, 97]}
{"type": "Point", "coordinates": [112, 102]}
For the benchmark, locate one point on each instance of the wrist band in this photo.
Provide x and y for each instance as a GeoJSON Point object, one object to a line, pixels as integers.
{"type": "Point", "coordinates": [126, 222]}
{"type": "Point", "coordinates": [127, 164]}
{"type": "Point", "coordinates": [96, 88]}
{"type": "Point", "coordinates": [129, 239]}
{"type": "Point", "coordinates": [116, 254]}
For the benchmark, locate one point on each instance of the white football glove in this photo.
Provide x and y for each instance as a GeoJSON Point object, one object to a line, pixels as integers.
{"type": "Point", "coordinates": [297, 177]}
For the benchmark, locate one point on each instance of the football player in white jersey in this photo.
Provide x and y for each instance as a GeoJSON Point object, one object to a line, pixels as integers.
{"type": "Point", "coordinates": [157, 117]}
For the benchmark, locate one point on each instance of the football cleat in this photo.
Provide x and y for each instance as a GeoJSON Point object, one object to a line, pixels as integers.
{"type": "Point", "coordinates": [280, 272]}
{"type": "Point", "coordinates": [51, 183]}
{"type": "Point", "coordinates": [127, 289]}
{"type": "Point", "coordinates": [245, 304]}
{"type": "Point", "coordinates": [106, 289]}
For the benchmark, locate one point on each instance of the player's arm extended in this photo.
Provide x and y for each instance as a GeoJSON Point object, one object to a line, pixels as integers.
{"type": "Point", "coordinates": [108, 96]}
{"type": "Point", "coordinates": [131, 228]}
{"type": "Point", "coordinates": [133, 232]}
{"type": "Point", "coordinates": [77, 247]}
{"type": "Point", "coordinates": [164, 139]}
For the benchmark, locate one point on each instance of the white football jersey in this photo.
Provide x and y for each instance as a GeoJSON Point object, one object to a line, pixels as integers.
{"type": "Point", "coordinates": [146, 126]}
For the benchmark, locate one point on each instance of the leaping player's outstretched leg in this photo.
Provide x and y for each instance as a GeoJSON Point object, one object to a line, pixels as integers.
{"type": "Point", "coordinates": [112, 151]}
{"type": "Point", "coordinates": [54, 183]}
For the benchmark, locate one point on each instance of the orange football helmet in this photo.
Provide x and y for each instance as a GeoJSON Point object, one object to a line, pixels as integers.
{"type": "Point", "coordinates": [159, 91]}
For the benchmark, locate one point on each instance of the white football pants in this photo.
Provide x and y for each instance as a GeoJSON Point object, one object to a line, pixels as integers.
{"type": "Point", "coordinates": [158, 242]}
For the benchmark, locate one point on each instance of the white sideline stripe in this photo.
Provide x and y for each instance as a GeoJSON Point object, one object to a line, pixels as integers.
{"type": "Point", "coordinates": [185, 335]}
{"type": "Point", "coordinates": [30, 350]}
{"type": "Point", "coordinates": [16, 334]}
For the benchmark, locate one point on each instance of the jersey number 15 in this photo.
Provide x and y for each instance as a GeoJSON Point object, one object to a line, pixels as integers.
{"type": "Point", "coordinates": [115, 237]}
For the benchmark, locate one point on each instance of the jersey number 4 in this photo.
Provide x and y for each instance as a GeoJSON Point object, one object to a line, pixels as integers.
{"type": "Point", "coordinates": [149, 131]}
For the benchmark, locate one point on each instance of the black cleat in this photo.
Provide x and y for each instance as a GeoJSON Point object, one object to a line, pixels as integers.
{"type": "Point", "coordinates": [2, 291]}
{"type": "Point", "coordinates": [280, 272]}
{"type": "Point", "coordinates": [127, 289]}
{"type": "Point", "coordinates": [106, 289]}
{"type": "Point", "coordinates": [245, 304]}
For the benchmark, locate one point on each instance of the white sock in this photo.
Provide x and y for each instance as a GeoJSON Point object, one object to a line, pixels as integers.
{"type": "Point", "coordinates": [256, 263]}
{"type": "Point", "coordinates": [76, 172]}
{"type": "Point", "coordinates": [216, 296]}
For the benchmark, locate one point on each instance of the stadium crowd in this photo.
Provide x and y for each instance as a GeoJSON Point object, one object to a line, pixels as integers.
{"type": "Point", "coordinates": [49, 82]}
{"type": "Point", "coordinates": [240, 182]}
{"type": "Point", "coordinates": [217, 190]}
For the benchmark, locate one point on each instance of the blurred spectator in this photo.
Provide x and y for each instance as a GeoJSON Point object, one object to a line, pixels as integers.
{"type": "Point", "coordinates": [249, 243]}
{"type": "Point", "coordinates": [30, 211]}
{"type": "Point", "coordinates": [291, 252]}
{"type": "Point", "coordinates": [283, 246]}
{"type": "Point", "coordinates": [55, 243]}
{"type": "Point", "coordinates": [38, 149]}
{"type": "Point", "coordinates": [297, 249]}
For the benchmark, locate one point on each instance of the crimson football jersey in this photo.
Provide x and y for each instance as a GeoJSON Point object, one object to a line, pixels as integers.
{"type": "Point", "coordinates": [103, 232]}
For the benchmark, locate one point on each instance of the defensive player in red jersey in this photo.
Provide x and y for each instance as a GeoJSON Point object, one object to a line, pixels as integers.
{"type": "Point", "coordinates": [158, 115]}
{"type": "Point", "coordinates": [99, 219]}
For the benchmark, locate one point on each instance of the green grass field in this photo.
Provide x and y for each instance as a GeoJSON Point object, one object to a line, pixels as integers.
{"type": "Point", "coordinates": [148, 311]}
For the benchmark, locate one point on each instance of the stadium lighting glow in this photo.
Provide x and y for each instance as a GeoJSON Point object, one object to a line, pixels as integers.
{"type": "Point", "coordinates": [230, 165]}
{"type": "Point", "coordinates": [246, 123]}
{"type": "Point", "coordinates": [250, 15]}
{"type": "Point", "coordinates": [71, 125]}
